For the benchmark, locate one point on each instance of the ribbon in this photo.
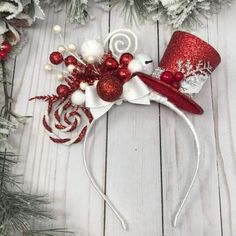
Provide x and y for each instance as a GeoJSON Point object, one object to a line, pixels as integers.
{"type": "Point", "coordinates": [134, 91]}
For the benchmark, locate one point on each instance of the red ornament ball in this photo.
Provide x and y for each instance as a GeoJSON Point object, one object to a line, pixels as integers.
{"type": "Point", "coordinates": [178, 76]}
{"type": "Point", "coordinates": [126, 58]}
{"type": "Point", "coordinates": [3, 55]}
{"type": "Point", "coordinates": [176, 85]}
{"type": "Point", "coordinates": [56, 58]}
{"type": "Point", "coordinates": [6, 47]}
{"type": "Point", "coordinates": [106, 55]}
{"type": "Point", "coordinates": [71, 60]}
{"type": "Point", "coordinates": [109, 88]}
{"type": "Point", "coordinates": [124, 74]}
{"type": "Point", "coordinates": [63, 90]}
{"type": "Point", "coordinates": [111, 63]}
{"type": "Point", "coordinates": [167, 77]}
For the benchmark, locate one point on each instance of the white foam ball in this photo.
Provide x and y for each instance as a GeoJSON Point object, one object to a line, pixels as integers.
{"type": "Point", "coordinates": [71, 47]}
{"type": "Point", "coordinates": [47, 67]}
{"type": "Point", "coordinates": [57, 29]}
{"type": "Point", "coordinates": [61, 49]}
{"type": "Point", "coordinates": [78, 98]}
{"type": "Point", "coordinates": [70, 68]}
{"type": "Point", "coordinates": [60, 76]}
{"type": "Point", "coordinates": [92, 51]}
{"type": "Point", "coordinates": [135, 66]}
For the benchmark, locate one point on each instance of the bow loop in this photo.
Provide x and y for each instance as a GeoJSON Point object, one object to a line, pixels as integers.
{"type": "Point", "coordinates": [134, 91]}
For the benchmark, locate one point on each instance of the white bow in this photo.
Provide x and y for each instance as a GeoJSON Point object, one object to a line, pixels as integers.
{"type": "Point", "coordinates": [134, 91]}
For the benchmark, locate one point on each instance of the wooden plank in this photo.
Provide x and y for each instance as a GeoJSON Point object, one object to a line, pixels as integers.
{"type": "Point", "coordinates": [222, 34]}
{"type": "Point", "coordinates": [133, 155]}
{"type": "Point", "coordinates": [133, 176]}
{"type": "Point", "coordinates": [84, 206]}
{"type": "Point", "coordinates": [201, 214]}
{"type": "Point", "coordinates": [48, 167]}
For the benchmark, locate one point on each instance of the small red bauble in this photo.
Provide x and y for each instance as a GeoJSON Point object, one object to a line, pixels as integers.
{"type": "Point", "coordinates": [71, 60]}
{"type": "Point", "coordinates": [106, 55]}
{"type": "Point", "coordinates": [6, 47]}
{"type": "Point", "coordinates": [178, 76]}
{"type": "Point", "coordinates": [109, 88]}
{"type": "Point", "coordinates": [167, 77]}
{"type": "Point", "coordinates": [3, 54]}
{"type": "Point", "coordinates": [176, 85]}
{"type": "Point", "coordinates": [56, 58]}
{"type": "Point", "coordinates": [124, 74]}
{"type": "Point", "coordinates": [63, 90]}
{"type": "Point", "coordinates": [126, 58]}
{"type": "Point", "coordinates": [111, 63]}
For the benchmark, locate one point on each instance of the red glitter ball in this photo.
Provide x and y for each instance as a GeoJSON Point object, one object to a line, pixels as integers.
{"type": "Point", "coordinates": [56, 58]}
{"type": "Point", "coordinates": [126, 58]}
{"type": "Point", "coordinates": [70, 60]}
{"type": "Point", "coordinates": [109, 88]}
{"type": "Point", "coordinates": [111, 63]}
{"type": "Point", "coordinates": [63, 90]}
{"type": "Point", "coordinates": [185, 46]}
{"type": "Point", "coordinates": [124, 74]}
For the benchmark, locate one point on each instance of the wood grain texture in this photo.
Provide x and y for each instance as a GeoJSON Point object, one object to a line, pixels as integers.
{"type": "Point", "coordinates": [178, 153]}
{"type": "Point", "coordinates": [142, 156]}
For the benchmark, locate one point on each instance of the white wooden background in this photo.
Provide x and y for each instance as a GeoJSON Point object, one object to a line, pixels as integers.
{"type": "Point", "coordinates": [142, 156]}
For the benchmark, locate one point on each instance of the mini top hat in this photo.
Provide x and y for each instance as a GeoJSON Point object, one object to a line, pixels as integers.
{"type": "Point", "coordinates": [184, 68]}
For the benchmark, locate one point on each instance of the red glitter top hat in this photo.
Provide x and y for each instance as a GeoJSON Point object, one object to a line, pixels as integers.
{"type": "Point", "coordinates": [184, 68]}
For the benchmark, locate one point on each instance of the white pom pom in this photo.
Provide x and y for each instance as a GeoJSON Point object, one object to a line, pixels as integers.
{"type": "Point", "coordinates": [47, 67]}
{"type": "Point", "coordinates": [83, 85]}
{"type": "Point", "coordinates": [135, 65]}
{"type": "Point", "coordinates": [71, 47]}
{"type": "Point", "coordinates": [57, 29]}
{"type": "Point", "coordinates": [78, 98]}
{"type": "Point", "coordinates": [92, 51]}
{"type": "Point", "coordinates": [70, 68]}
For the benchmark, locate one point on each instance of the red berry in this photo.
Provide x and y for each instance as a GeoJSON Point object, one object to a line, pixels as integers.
{"type": "Point", "coordinates": [176, 85]}
{"type": "Point", "coordinates": [124, 74]}
{"type": "Point", "coordinates": [126, 58]}
{"type": "Point", "coordinates": [167, 77]}
{"type": "Point", "coordinates": [71, 60]}
{"type": "Point", "coordinates": [63, 90]}
{"type": "Point", "coordinates": [6, 47]}
{"type": "Point", "coordinates": [111, 63]}
{"type": "Point", "coordinates": [178, 76]}
{"type": "Point", "coordinates": [3, 54]}
{"type": "Point", "coordinates": [109, 88]}
{"type": "Point", "coordinates": [56, 58]}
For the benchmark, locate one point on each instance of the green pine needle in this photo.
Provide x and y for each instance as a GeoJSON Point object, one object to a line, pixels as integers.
{"type": "Point", "coordinates": [17, 208]}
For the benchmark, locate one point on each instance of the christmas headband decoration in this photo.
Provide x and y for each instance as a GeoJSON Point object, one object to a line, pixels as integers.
{"type": "Point", "coordinates": [94, 80]}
